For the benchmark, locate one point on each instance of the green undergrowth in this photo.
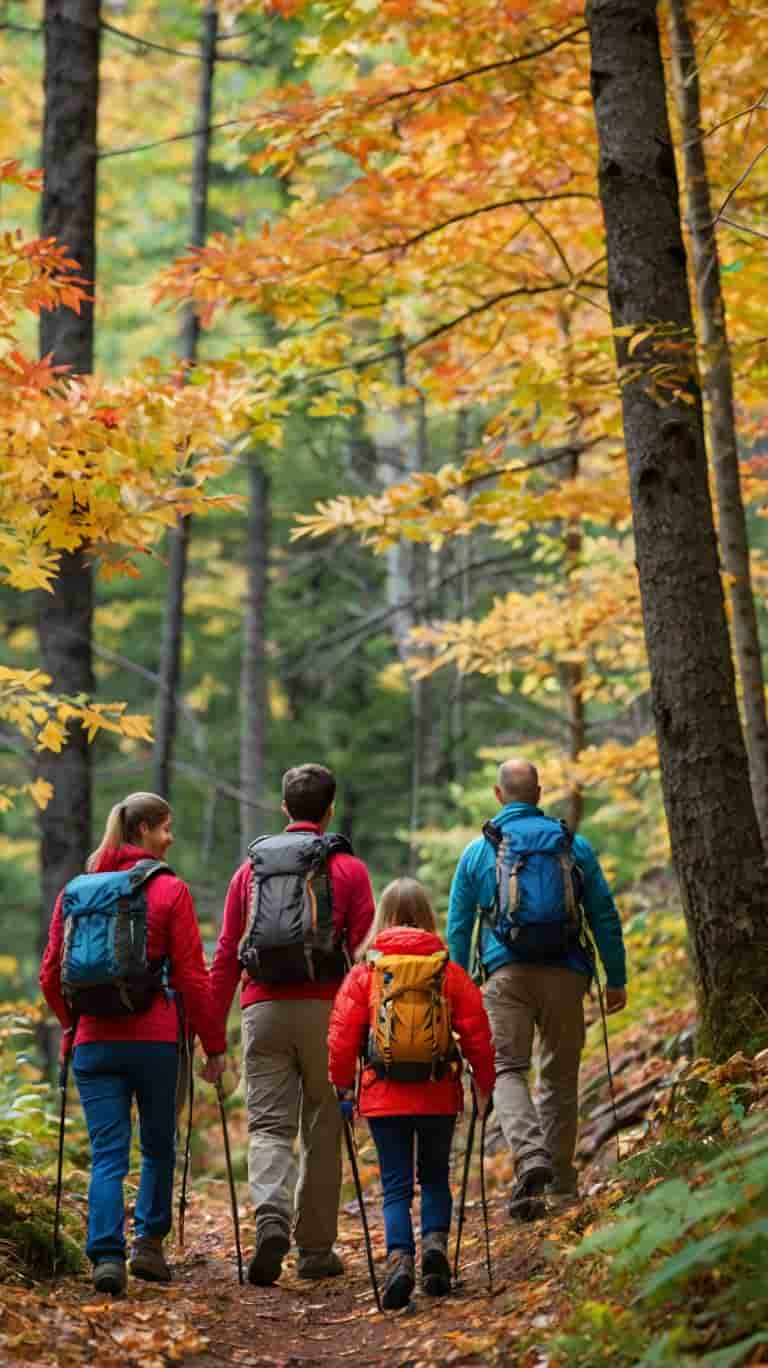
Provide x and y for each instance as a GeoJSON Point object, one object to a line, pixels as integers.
{"type": "Point", "coordinates": [678, 1274]}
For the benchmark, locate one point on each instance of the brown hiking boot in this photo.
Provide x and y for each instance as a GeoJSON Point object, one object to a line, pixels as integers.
{"type": "Point", "coordinates": [323, 1263]}
{"type": "Point", "coordinates": [435, 1269]}
{"type": "Point", "coordinates": [148, 1261]}
{"type": "Point", "coordinates": [399, 1280]}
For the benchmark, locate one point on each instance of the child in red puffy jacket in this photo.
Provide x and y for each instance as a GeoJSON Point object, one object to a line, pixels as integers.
{"type": "Point", "coordinates": [400, 1113]}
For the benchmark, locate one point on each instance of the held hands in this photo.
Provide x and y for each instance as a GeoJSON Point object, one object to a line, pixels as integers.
{"type": "Point", "coordinates": [214, 1068]}
{"type": "Point", "coordinates": [615, 1000]}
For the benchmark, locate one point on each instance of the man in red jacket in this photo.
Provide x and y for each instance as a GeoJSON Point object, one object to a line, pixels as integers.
{"type": "Point", "coordinates": [286, 999]}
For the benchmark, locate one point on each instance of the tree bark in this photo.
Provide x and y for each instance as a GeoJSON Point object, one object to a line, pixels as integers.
{"type": "Point", "coordinates": [718, 391]}
{"type": "Point", "coordinates": [178, 537]}
{"type": "Point", "coordinates": [572, 671]}
{"type": "Point", "coordinates": [253, 670]}
{"type": "Point", "coordinates": [714, 833]}
{"type": "Point", "coordinates": [65, 617]}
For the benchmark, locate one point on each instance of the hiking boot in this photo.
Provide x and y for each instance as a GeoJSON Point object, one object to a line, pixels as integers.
{"type": "Point", "coordinates": [147, 1259]}
{"type": "Point", "coordinates": [272, 1245]}
{"type": "Point", "coordinates": [399, 1280]}
{"type": "Point", "coordinates": [435, 1269]}
{"type": "Point", "coordinates": [526, 1201]}
{"type": "Point", "coordinates": [324, 1263]}
{"type": "Point", "coordinates": [109, 1276]}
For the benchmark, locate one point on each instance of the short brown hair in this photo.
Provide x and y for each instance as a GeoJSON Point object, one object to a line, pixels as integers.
{"type": "Point", "coordinates": [308, 791]}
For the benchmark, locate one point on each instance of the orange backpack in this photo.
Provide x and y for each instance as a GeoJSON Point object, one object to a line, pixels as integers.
{"type": "Point", "coordinates": [409, 1036]}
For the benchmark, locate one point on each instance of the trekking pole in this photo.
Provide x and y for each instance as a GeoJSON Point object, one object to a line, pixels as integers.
{"type": "Point", "coordinates": [188, 1141]}
{"type": "Point", "coordinates": [63, 1078]}
{"type": "Point", "coordinates": [232, 1193]}
{"type": "Point", "coordinates": [464, 1181]}
{"type": "Point", "coordinates": [483, 1198]}
{"type": "Point", "coordinates": [350, 1141]}
{"type": "Point", "coordinates": [601, 1000]}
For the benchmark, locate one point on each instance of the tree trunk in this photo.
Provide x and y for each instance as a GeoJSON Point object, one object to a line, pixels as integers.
{"type": "Point", "coordinates": [718, 391]}
{"type": "Point", "coordinates": [253, 670]}
{"type": "Point", "coordinates": [178, 538]}
{"type": "Point", "coordinates": [65, 617]}
{"type": "Point", "coordinates": [714, 833]}
{"type": "Point", "coordinates": [572, 671]}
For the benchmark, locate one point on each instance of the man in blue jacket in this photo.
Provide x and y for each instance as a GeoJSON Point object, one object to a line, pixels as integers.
{"type": "Point", "coordinates": [523, 994]}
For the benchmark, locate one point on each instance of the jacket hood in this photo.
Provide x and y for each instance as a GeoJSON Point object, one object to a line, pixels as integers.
{"type": "Point", "coordinates": [120, 857]}
{"type": "Point", "coordinates": [407, 940]}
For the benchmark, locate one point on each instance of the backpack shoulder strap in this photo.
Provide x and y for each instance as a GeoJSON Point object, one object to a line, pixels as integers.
{"type": "Point", "coordinates": [493, 833]}
{"type": "Point", "coordinates": [336, 844]}
{"type": "Point", "coordinates": [144, 870]}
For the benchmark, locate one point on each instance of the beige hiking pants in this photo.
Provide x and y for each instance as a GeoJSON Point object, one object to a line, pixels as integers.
{"type": "Point", "coordinates": [520, 999]}
{"type": "Point", "coordinates": [285, 1071]}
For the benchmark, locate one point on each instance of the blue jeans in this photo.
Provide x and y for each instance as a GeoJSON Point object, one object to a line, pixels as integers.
{"type": "Point", "coordinates": [109, 1074]}
{"type": "Point", "coordinates": [394, 1137]}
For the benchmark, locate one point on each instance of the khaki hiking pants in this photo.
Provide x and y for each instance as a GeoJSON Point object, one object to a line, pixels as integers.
{"type": "Point", "coordinates": [287, 1092]}
{"type": "Point", "coordinates": [521, 999]}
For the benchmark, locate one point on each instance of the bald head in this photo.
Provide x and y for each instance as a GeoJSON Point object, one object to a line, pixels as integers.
{"type": "Point", "coordinates": [518, 782]}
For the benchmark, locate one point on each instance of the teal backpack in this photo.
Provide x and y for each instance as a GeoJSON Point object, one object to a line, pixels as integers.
{"type": "Point", "coordinates": [105, 970]}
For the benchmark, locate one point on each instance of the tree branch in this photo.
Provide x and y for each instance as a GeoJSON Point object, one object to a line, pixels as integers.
{"type": "Point", "coordinates": [161, 142]}
{"type": "Point", "coordinates": [481, 70]}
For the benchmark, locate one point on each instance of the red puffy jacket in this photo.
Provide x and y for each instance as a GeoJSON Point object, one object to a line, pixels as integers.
{"type": "Point", "coordinates": [349, 1028]}
{"type": "Point", "coordinates": [172, 930]}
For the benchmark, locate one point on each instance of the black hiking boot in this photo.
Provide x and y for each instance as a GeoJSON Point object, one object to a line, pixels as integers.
{"type": "Point", "coordinates": [109, 1276]}
{"type": "Point", "coordinates": [526, 1201]}
{"type": "Point", "coordinates": [272, 1245]}
{"type": "Point", "coordinates": [399, 1280]}
{"type": "Point", "coordinates": [435, 1268]}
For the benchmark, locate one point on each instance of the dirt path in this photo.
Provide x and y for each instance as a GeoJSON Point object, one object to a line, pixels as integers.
{"type": "Point", "coordinates": [206, 1320]}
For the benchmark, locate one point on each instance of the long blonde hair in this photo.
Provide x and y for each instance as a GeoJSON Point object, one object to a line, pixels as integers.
{"type": "Point", "coordinates": [404, 902]}
{"type": "Point", "coordinates": [124, 820]}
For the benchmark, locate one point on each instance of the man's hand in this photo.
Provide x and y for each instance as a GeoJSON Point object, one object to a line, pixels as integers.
{"type": "Point", "coordinates": [482, 1102]}
{"type": "Point", "coordinates": [615, 1000]}
{"type": "Point", "coordinates": [214, 1068]}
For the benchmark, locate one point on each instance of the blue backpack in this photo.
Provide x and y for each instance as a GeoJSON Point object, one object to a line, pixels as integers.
{"type": "Point", "coordinates": [105, 970]}
{"type": "Point", "coordinates": [537, 907]}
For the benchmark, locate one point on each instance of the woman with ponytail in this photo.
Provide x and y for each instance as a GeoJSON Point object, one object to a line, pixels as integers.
{"type": "Point", "coordinates": [119, 1057]}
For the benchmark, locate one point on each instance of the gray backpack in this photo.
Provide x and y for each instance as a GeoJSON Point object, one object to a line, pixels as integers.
{"type": "Point", "coordinates": [290, 936]}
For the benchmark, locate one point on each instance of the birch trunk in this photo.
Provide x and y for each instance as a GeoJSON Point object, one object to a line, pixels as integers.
{"type": "Point", "coordinates": [718, 392]}
{"type": "Point", "coordinates": [715, 837]}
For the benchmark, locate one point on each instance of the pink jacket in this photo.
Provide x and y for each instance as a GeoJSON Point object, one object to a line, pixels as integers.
{"type": "Point", "coordinates": [349, 1028]}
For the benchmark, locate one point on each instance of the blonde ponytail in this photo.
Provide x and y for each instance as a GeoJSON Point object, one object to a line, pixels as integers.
{"type": "Point", "coordinates": [124, 821]}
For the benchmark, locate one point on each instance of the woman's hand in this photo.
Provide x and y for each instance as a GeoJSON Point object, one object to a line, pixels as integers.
{"type": "Point", "coordinates": [214, 1068]}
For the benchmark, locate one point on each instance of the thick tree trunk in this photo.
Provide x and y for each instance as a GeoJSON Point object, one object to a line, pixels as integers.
{"type": "Point", "coordinates": [65, 617]}
{"type": "Point", "coordinates": [253, 669]}
{"type": "Point", "coordinates": [718, 391]}
{"type": "Point", "coordinates": [178, 538]}
{"type": "Point", "coordinates": [714, 833]}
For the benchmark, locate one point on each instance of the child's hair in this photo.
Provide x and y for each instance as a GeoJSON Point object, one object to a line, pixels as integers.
{"type": "Point", "coordinates": [124, 821]}
{"type": "Point", "coordinates": [404, 902]}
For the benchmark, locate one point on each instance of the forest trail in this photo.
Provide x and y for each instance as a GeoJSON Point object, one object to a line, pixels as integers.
{"type": "Point", "coordinates": [204, 1319]}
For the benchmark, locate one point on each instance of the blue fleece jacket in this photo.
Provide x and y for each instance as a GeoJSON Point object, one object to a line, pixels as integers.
{"type": "Point", "coordinates": [474, 887]}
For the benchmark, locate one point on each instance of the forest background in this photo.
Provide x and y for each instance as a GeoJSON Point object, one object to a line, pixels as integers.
{"type": "Point", "coordinates": [414, 330]}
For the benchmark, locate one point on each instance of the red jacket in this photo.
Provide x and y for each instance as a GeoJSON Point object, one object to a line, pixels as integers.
{"type": "Point", "coordinates": [349, 1027]}
{"type": "Point", "coordinates": [352, 915]}
{"type": "Point", "coordinates": [172, 930]}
